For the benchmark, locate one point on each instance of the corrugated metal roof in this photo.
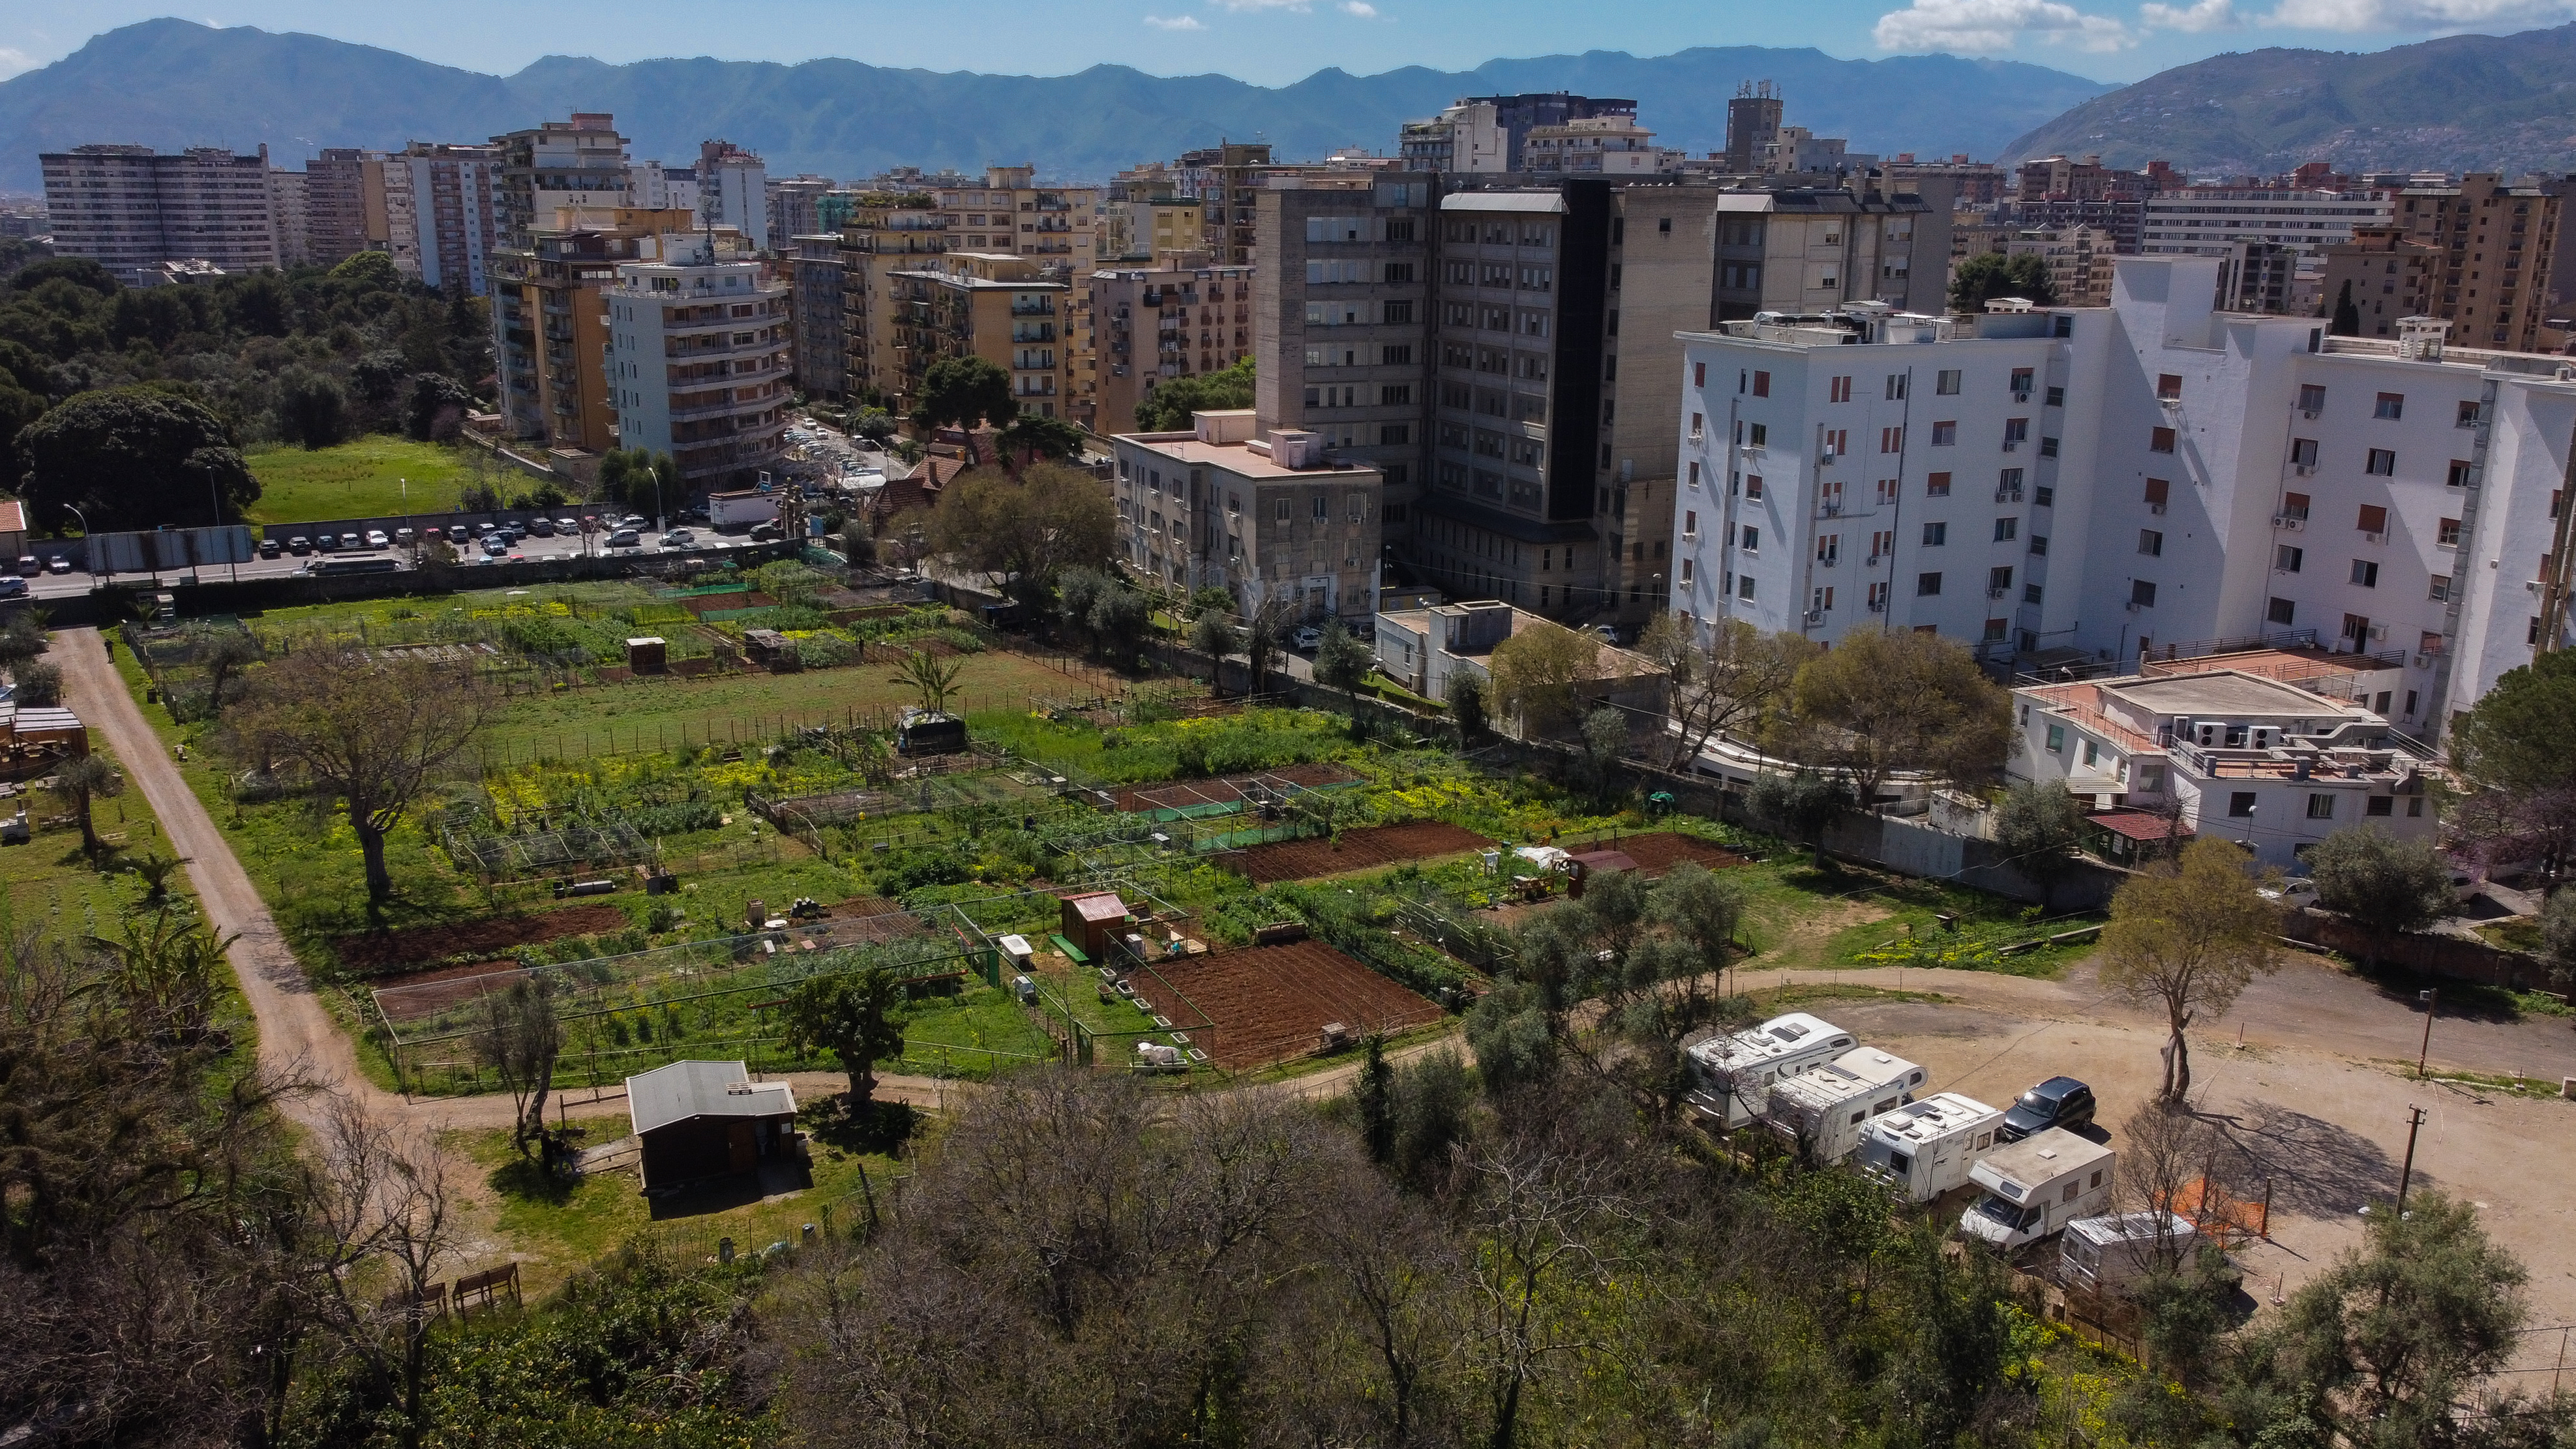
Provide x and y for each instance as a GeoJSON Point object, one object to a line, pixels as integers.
{"type": "Point", "coordinates": [684, 1090]}
{"type": "Point", "coordinates": [13, 516]}
{"type": "Point", "coordinates": [1102, 906]}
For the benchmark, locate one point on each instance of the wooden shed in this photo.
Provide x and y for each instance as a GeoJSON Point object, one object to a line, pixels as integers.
{"type": "Point", "coordinates": [650, 654]}
{"type": "Point", "coordinates": [696, 1120]}
{"type": "Point", "coordinates": [1093, 920]}
{"type": "Point", "coordinates": [1580, 868]}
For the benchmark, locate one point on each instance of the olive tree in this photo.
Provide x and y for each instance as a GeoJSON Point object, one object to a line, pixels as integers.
{"type": "Point", "coordinates": [2384, 885]}
{"type": "Point", "coordinates": [2188, 936]}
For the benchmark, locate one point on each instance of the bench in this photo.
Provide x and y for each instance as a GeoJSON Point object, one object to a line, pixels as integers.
{"type": "Point", "coordinates": [1072, 952]}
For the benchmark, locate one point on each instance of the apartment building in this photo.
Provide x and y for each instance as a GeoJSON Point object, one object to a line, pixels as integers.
{"type": "Point", "coordinates": [822, 341]}
{"type": "Point", "coordinates": [733, 190]}
{"type": "Point", "coordinates": [2202, 220]}
{"type": "Point", "coordinates": [2497, 243]}
{"type": "Point", "coordinates": [1011, 213]}
{"type": "Point", "coordinates": [1148, 230]}
{"type": "Point", "coordinates": [698, 358]}
{"type": "Point", "coordinates": [335, 204]}
{"type": "Point", "coordinates": [1144, 325]}
{"type": "Point", "coordinates": [1005, 309]}
{"type": "Point", "coordinates": [1226, 179]}
{"type": "Point", "coordinates": [1467, 136]}
{"type": "Point", "coordinates": [579, 162]}
{"type": "Point", "coordinates": [439, 210]}
{"type": "Point", "coordinates": [1260, 517]}
{"type": "Point", "coordinates": [795, 208]}
{"type": "Point", "coordinates": [130, 209]}
{"type": "Point", "coordinates": [2078, 261]}
{"type": "Point", "coordinates": [2097, 485]}
{"type": "Point", "coordinates": [1973, 183]}
{"type": "Point", "coordinates": [289, 208]}
{"type": "Point", "coordinates": [1596, 146]}
{"type": "Point", "coordinates": [2392, 277]}
{"type": "Point", "coordinates": [549, 323]}
{"type": "Point", "coordinates": [2084, 179]}
{"type": "Point", "coordinates": [658, 186]}
{"type": "Point", "coordinates": [1797, 151]}
{"type": "Point", "coordinates": [1753, 116]}
{"type": "Point", "coordinates": [887, 232]}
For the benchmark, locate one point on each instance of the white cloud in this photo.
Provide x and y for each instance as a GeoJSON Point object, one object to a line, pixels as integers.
{"type": "Point", "coordinates": [2206, 15]}
{"type": "Point", "coordinates": [1239, 5]}
{"type": "Point", "coordinates": [2420, 15]}
{"type": "Point", "coordinates": [1174, 22]}
{"type": "Point", "coordinates": [1976, 26]}
{"type": "Point", "coordinates": [1360, 8]}
{"type": "Point", "coordinates": [14, 62]}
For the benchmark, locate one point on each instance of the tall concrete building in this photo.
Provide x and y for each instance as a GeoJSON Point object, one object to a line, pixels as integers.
{"type": "Point", "coordinates": [131, 209]}
{"type": "Point", "coordinates": [1141, 326]}
{"type": "Point", "coordinates": [822, 341]}
{"type": "Point", "coordinates": [440, 210]}
{"type": "Point", "coordinates": [289, 208]}
{"type": "Point", "coordinates": [335, 204]}
{"type": "Point", "coordinates": [2391, 275]}
{"type": "Point", "coordinates": [698, 359]}
{"type": "Point", "coordinates": [2094, 487]}
{"type": "Point", "coordinates": [888, 231]}
{"type": "Point", "coordinates": [794, 210]}
{"type": "Point", "coordinates": [2203, 220]}
{"type": "Point", "coordinates": [550, 328]}
{"type": "Point", "coordinates": [1262, 517]}
{"type": "Point", "coordinates": [579, 162]}
{"type": "Point", "coordinates": [1008, 310]}
{"type": "Point", "coordinates": [1752, 123]}
{"type": "Point", "coordinates": [733, 190]}
{"type": "Point", "coordinates": [1012, 212]}
{"type": "Point", "coordinates": [2497, 244]}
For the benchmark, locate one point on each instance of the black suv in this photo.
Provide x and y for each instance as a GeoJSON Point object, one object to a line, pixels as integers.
{"type": "Point", "coordinates": [2057, 1102]}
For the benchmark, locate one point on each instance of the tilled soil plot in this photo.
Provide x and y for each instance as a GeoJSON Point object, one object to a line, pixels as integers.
{"type": "Point", "coordinates": [489, 936]}
{"type": "Point", "coordinates": [1182, 794]}
{"type": "Point", "coordinates": [1358, 850]}
{"type": "Point", "coordinates": [1660, 851]}
{"type": "Point", "coordinates": [1270, 1003]}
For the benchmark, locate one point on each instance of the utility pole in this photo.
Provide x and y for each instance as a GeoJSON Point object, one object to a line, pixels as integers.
{"type": "Point", "coordinates": [2406, 1174]}
{"type": "Point", "coordinates": [2432, 1002]}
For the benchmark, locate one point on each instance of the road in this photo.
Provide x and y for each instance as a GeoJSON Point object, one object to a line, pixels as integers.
{"type": "Point", "coordinates": [59, 586]}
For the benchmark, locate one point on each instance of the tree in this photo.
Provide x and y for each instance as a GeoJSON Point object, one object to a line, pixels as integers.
{"type": "Point", "coordinates": [2347, 317]}
{"type": "Point", "coordinates": [1167, 406]}
{"type": "Point", "coordinates": [377, 733]}
{"type": "Point", "coordinates": [2517, 750]}
{"type": "Point", "coordinates": [1878, 703]}
{"type": "Point", "coordinates": [932, 678]}
{"type": "Point", "coordinates": [1264, 634]}
{"type": "Point", "coordinates": [80, 781]}
{"type": "Point", "coordinates": [437, 407]}
{"type": "Point", "coordinates": [1030, 437]}
{"type": "Point", "coordinates": [2558, 935]}
{"type": "Point", "coordinates": [312, 408]}
{"type": "Point", "coordinates": [1533, 673]}
{"type": "Point", "coordinates": [2189, 936]}
{"type": "Point", "coordinates": [224, 654]}
{"type": "Point", "coordinates": [1466, 703]}
{"type": "Point", "coordinates": [1213, 636]}
{"type": "Point", "coordinates": [965, 393]}
{"type": "Point", "coordinates": [2036, 824]}
{"type": "Point", "coordinates": [2384, 885]}
{"type": "Point", "coordinates": [874, 424]}
{"type": "Point", "coordinates": [1210, 598]}
{"type": "Point", "coordinates": [856, 1016]}
{"type": "Point", "coordinates": [1735, 685]}
{"type": "Point", "coordinates": [1605, 737]}
{"type": "Point", "coordinates": [520, 1042]}
{"type": "Point", "coordinates": [1800, 804]}
{"type": "Point", "coordinates": [368, 271]}
{"type": "Point", "coordinates": [1028, 529]}
{"type": "Point", "coordinates": [1988, 275]}
{"type": "Point", "coordinates": [40, 685]}
{"type": "Point", "coordinates": [1373, 1096]}
{"type": "Point", "coordinates": [1342, 661]}
{"type": "Point", "coordinates": [134, 458]}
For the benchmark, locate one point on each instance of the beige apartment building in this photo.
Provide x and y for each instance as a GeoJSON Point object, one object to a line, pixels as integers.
{"type": "Point", "coordinates": [131, 209]}
{"type": "Point", "coordinates": [1261, 517]}
{"type": "Point", "coordinates": [2391, 274]}
{"type": "Point", "coordinates": [887, 232]}
{"type": "Point", "coordinates": [1012, 213]}
{"type": "Point", "coordinates": [549, 322]}
{"type": "Point", "coordinates": [1008, 310]}
{"type": "Point", "coordinates": [335, 204]}
{"type": "Point", "coordinates": [2495, 244]}
{"type": "Point", "coordinates": [1142, 325]}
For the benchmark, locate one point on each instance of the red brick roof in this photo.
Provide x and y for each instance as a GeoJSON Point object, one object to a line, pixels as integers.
{"type": "Point", "coordinates": [2142, 825]}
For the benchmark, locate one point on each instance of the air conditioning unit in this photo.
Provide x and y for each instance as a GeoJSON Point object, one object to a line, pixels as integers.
{"type": "Point", "coordinates": [2157, 509]}
{"type": "Point", "coordinates": [2424, 661]}
{"type": "Point", "coordinates": [2378, 631]}
{"type": "Point", "coordinates": [2288, 524]}
{"type": "Point", "coordinates": [2134, 606]}
{"type": "Point", "coordinates": [2021, 394]}
{"type": "Point", "coordinates": [1997, 593]}
{"type": "Point", "coordinates": [1878, 606]}
{"type": "Point", "coordinates": [1815, 616]}
{"type": "Point", "coordinates": [2310, 412]}
{"type": "Point", "coordinates": [2374, 538]}
{"type": "Point", "coordinates": [1832, 510]}
{"type": "Point", "coordinates": [2007, 495]}
{"type": "Point", "coordinates": [2304, 470]}
{"type": "Point", "coordinates": [2011, 446]}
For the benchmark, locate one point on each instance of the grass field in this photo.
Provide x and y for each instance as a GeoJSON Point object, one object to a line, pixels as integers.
{"type": "Point", "coordinates": [50, 884]}
{"type": "Point", "coordinates": [361, 479]}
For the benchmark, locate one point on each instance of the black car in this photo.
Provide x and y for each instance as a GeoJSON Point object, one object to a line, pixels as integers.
{"type": "Point", "coordinates": [2057, 1102]}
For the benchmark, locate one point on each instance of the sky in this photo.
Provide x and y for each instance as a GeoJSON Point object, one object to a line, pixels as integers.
{"type": "Point", "coordinates": [1273, 42]}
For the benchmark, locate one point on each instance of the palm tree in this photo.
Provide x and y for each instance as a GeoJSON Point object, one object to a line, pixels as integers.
{"type": "Point", "coordinates": [933, 679]}
{"type": "Point", "coordinates": [80, 781]}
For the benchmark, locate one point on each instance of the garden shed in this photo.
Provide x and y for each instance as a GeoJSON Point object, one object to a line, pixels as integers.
{"type": "Point", "coordinates": [696, 1120]}
{"type": "Point", "coordinates": [1094, 919]}
{"type": "Point", "coordinates": [1581, 868]}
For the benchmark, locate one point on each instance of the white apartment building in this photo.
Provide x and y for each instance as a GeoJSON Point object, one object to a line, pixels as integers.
{"type": "Point", "coordinates": [1260, 517]}
{"type": "Point", "coordinates": [130, 209]}
{"type": "Point", "coordinates": [2263, 748]}
{"type": "Point", "coordinates": [2203, 220]}
{"type": "Point", "coordinates": [656, 186]}
{"type": "Point", "coordinates": [1596, 146]}
{"type": "Point", "coordinates": [441, 206]}
{"type": "Point", "coordinates": [698, 359]}
{"type": "Point", "coordinates": [2138, 481]}
{"type": "Point", "coordinates": [733, 190]}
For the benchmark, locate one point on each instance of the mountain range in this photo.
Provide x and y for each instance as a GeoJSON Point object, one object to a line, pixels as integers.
{"type": "Point", "coordinates": [2504, 103]}
{"type": "Point", "coordinates": [171, 83]}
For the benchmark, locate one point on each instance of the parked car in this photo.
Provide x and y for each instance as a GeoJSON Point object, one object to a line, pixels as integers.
{"type": "Point", "coordinates": [58, 565]}
{"type": "Point", "coordinates": [542, 527]}
{"type": "Point", "coordinates": [431, 534]}
{"type": "Point", "coordinates": [495, 546]}
{"type": "Point", "coordinates": [12, 587]}
{"type": "Point", "coordinates": [764, 533]}
{"type": "Point", "coordinates": [632, 520]}
{"type": "Point", "coordinates": [1307, 637]}
{"type": "Point", "coordinates": [2061, 1102]}
{"type": "Point", "coordinates": [567, 527]}
{"type": "Point", "coordinates": [2290, 894]}
{"type": "Point", "coordinates": [29, 566]}
{"type": "Point", "coordinates": [404, 536]}
{"type": "Point", "coordinates": [268, 548]}
{"type": "Point", "coordinates": [299, 545]}
{"type": "Point", "coordinates": [626, 538]}
{"type": "Point", "coordinates": [376, 538]}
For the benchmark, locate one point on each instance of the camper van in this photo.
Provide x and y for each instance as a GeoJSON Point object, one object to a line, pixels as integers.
{"type": "Point", "coordinates": [1926, 1148]}
{"type": "Point", "coordinates": [2107, 1254]}
{"type": "Point", "coordinates": [2036, 1186]}
{"type": "Point", "coordinates": [1736, 1072]}
{"type": "Point", "coordinates": [1824, 1112]}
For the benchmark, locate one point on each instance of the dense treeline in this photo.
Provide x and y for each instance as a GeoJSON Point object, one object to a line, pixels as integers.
{"type": "Point", "coordinates": [155, 384]}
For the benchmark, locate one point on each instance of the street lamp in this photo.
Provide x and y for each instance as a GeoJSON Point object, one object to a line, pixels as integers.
{"type": "Point", "coordinates": [89, 548]}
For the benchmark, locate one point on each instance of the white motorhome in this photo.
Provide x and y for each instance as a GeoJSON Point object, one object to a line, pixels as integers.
{"type": "Point", "coordinates": [2107, 1254]}
{"type": "Point", "coordinates": [2036, 1186]}
{"type": "Point", "coordinates": [1926, 1148]}
{"type": "Point", "coordinates": [1736, 1073]}
{"type": "Point", "coordinates": [1825, 1111]}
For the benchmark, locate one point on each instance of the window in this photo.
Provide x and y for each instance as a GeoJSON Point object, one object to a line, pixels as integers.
{"type": "Point", "coordinates": [2016, 433]}
{"type": "Point", "coordinates": [2440, 589]}
{"type": "Point", "coordinates": [1829, 549]}
{"type": "Point", "coordinates": [2240, 804]}
{"type": "Point", "coordinates": [2151, 543]}
{"type": "Point", "coordinates": [2372, 519]}
{"type": "Point", "coordinates": [1686, 572]}
{"type": "Point", "coordinates": [2468, 416]}
{"type": "Point", "coordinates": [1744, 586]}
{"type": "Point", "coordinates": [1396, 356]}
{"type": "Point", "coordinates": [1757, 435]}
{"type": "Point", "coordinates": [1935, 534]}
{"type": "Point", "coordinates": [1999, 581]}
{"type": "Point", "coordinates": [2458, 477]}
{"type": "Point", "coordinates": [2142, 593]}
{"type": "Point", "coordinates": [1838, 389]}
{"type": "Point", "coordinates": [2169, 387]}
{"type": "Point", "coordinates": [1323, 508]}
{"type": "Point", "coordinates": [1698, 427]}
{"type": "Point", "coordinates": [2391, 406]}
{"type": "Point", "coordinates": [1936, 485]}
{"type": "Point", "coordinates": [2283, 612]}
{"type": "Point", "coordinates": [2356, 629]}
{"type": "Point", "coordinates": [2365, 573]}
{"type": "Point", "coordinates": [1927, 585]}
{"type": "Point", "coordinates": [1945, 435]}
{"type": "Point", "coordinates": [1752, 539]}
{"type": "Point", "coordinates": [1699, 374]}
{"type": "Point", "coordinates": [1891, 440]}
{"type": "Point", "coordinates": [2321, 806]}
{"type": "Point", "coordinates": [2007, 529]}
{"type": "Point", "coordinates": [1391, 434]}
{"type": "Point", "coordinates": [1761, 384]}
{"type": "Point", "coordinates": [2157, 491]}
{"type": "Point", "coordinates": [2160, 440]}
{"type": "Point", "coordinates": [2023, 379]}
{"type": "Point", "coordinates": [2294, 505]}
{"type": "Point", "coordinates": [1395, 394]}
{"type": "Point", "coordinates": [1752, 485]}
{"type": "Point", "coordinates": [1947, 384]}
{"type": "Point", "coordinates": [2383, 463]}
{"type": "Point", "coordinates": [2303, 451]}
{"type": "Point", "coordinates": [2057, 397]}
{"type": "Point", "coordinates": [2030, 593]}
{"type": "Point", "coordinates": [2288, 557]}
{"type": "Point", "coordinates": [2092, 751]}
{"type": "Point", "coordinates": [1281, 512]}
{"type": "Point", "coordinates": [2057, 739]}
{"type": "Point", "coordinates": [2380, 805]}
{"type": "Point", "coordinates": [2312, 399]}
{"type": "Point", "coordinates": [1694, 473]}
{"type": "Point", "coordinates": [2448, 536]}
{"type": "Point", "coordinates": [1837, 442]}
{"type": "Point", "coordinates": [2039, 544]}
{"type": "Point", "coordinates": [1690, 523]}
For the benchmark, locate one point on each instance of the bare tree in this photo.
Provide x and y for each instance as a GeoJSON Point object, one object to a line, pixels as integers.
{"type": "Point", "coordinates": [224, 655]}
{"type": "Point", "coordinates": [378, 1197]}
{"type": "Point", "coordinates": [376, 732]}
{"type": "Point", "coordinates": [1736, 684]}
{"type": "Point", "coordinates": [2189, 936]}
{"type": "Point", "coordinates": [1537, 1223]}
{"type": "Point", "coordinates": [1270, 618]}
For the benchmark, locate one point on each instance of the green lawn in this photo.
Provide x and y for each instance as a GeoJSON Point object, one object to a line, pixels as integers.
{"type": "Point", "coordinates": [51, 884]}
{"type": "Point", "coordinates": [361, 479]}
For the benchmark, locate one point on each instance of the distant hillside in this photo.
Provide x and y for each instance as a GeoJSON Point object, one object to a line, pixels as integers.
{"type": "Point", "coordinates": [170, 83]}
{"type": "Point", "coordinates": [2463, 103]}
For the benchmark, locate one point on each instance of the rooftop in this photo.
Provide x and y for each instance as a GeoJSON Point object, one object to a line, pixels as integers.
{"type": "Point", "coordinates": [13, 516]}
{"type": "Point", "coordinates": [2230, 692]}
{"type": "Point", "coordinates": [684, 1090]}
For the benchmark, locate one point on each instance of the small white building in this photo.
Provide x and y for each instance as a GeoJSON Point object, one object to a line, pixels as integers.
{"type": "Point", "coordinates": [1424, 649]}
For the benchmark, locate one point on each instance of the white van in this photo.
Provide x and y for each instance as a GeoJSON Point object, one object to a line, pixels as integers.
{"type": "Point", "coordinates": [2036, 1186]}
{"type": "Point", "coordinates": [1925, 1149]}
{"type": "Point", "coordinates": [2108, 1254]}
{"type": "Point", "coordinates": [1736, 1072]}
{"type": "Point", "coordinates": [1824, 1112]}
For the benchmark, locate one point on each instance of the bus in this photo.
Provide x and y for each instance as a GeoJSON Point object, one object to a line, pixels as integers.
{"type": "Point", "coordinates": [324, 566]}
